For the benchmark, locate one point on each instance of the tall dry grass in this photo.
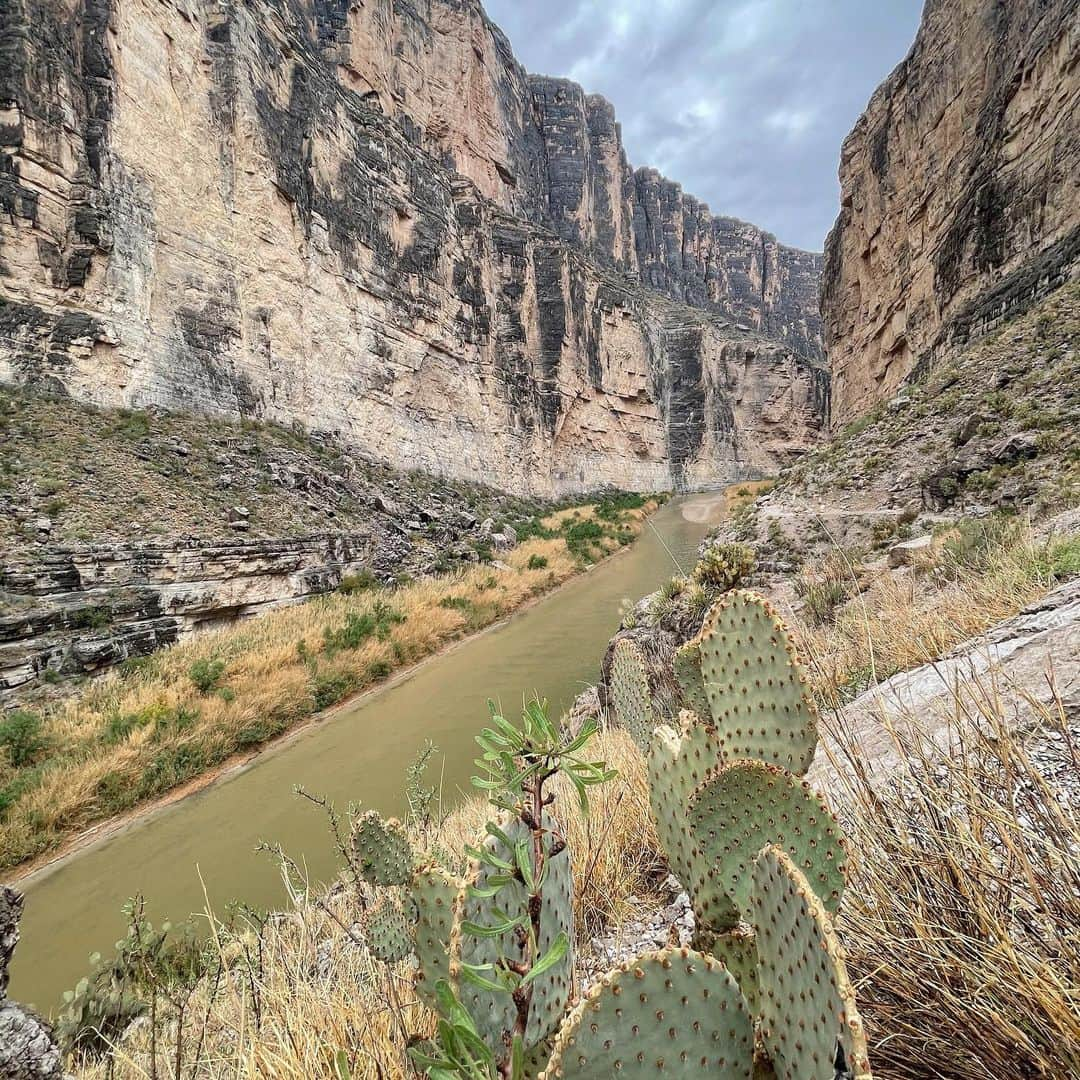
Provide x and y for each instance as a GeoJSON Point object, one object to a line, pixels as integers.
{"type": "Point", "coordinates": [132, 736]}
{"type": "Point", "coordinates": [895, 623]}
{"type": "Point", "coordinates": [962, 921]}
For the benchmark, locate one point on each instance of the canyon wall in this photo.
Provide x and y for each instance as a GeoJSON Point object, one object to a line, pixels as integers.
{"type": "Point", "coordinates": [368, 219]}
{"type": "Point", "coordinates": [960, 201]}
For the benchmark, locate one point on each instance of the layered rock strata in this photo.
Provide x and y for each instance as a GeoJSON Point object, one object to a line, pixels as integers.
{"type": "Point", "coordinates": [960, 202]}
{"type": "Point", "coordinates": [368, 219]}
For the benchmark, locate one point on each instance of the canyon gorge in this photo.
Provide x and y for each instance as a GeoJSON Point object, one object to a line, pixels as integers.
{"type": "Point", "coordinates": [369, 220]}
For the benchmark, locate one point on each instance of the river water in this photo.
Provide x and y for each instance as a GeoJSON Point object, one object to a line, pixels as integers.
{"type": "Point", "coordinates": [359, 753]}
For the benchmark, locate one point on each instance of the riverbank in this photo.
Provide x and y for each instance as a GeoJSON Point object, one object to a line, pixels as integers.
{"type": "Point", "coordinates": [164, 727]}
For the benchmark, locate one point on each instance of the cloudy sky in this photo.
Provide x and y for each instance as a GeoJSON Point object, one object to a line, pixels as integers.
{"type": "Point", "coordinates": [744, 102]}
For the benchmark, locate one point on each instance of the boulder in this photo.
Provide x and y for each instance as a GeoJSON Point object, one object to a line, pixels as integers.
{"type": "Point", "coordinates": [907, 552]}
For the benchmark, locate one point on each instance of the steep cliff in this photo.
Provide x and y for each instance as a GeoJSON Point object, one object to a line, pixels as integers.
{"type": "Point", "coordinates": [960, 201]}
{"type": "Point", "coordinates": [369, 219]}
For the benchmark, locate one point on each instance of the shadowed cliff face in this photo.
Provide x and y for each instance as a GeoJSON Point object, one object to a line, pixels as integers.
{"type": "Point", "coordinates": [370, 220]}
{"type": "Point", "coordinates": [959, 202]}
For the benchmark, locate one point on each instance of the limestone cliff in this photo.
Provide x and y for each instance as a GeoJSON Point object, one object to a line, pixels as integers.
{"type": "Point", "coordinates": [960, 197]}
{"type": "Point", "coordinates": [367, 218]}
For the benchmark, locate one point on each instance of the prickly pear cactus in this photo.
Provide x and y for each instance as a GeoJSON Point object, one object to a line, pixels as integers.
{"type": "Point", "coordinates": [630, 692]}
{"type": "Point", "coordinates": [686, 664]}
{"type": "Point", "coordinates": [382, 850]}
{"type": "Point", "coordinates": [677, 763]}
{"type": "Point", "coordinates": [435, 893]}
{"type": "Point", "coordinates": [388, 929]}
{"type": "Point", "coordinates": [494, 1013]}
{"type": "Point", "coordinates": [723, 566]}
{"type": "Point", "coordinates": [674, 1012]}
{"type": "Point", "coordinates": [758, 697]}
{"type": "Point", "coordinates": [742, 806]}
{"type": "Point", "coordinates": [807, 1003]}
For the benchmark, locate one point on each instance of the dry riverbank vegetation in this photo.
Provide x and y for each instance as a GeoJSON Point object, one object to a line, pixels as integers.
{"type": "Point", "coordinates": [960, 922]}
{"type": "Point", "coordinates": [179, 715]}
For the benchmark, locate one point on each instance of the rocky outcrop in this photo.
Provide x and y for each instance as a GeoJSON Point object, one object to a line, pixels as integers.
{"type": "Point", "coordinates": [28, 1050]}
{"type": "Point", "coordinates": [959, 204]}
{"type": "Point", "coordinates": [369, 220]}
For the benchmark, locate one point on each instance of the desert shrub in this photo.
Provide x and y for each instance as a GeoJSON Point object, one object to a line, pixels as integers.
{"type": "Point", "coordinates": [971, 543]}
{"type": "Point", "coordinates": [537, 562]}
{"type": "Point", "coordinates": [358, 628]}
{"type": "Point", "coordinates": [22, 736]}
{"type": "Point", "coordinates": [206, 673]}
{"type": "Point", "coordinates": [456, 603]}
{"type": "Point", "coordinates": [361, 581]}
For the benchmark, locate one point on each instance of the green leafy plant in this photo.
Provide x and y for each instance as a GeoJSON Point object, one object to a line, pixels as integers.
{"type": "Point", "coordinates": [512, 944]}
{"type": "Point", "coordinates": [22, 736]}
{"type": "Point", "coordinates": [206, 674]}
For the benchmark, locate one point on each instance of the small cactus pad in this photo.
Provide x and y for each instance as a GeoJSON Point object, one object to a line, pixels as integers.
{"type": "Point", "coordinates": [741, 807]}
{"type": "Point", "coordinates": [737, 951]}
{"type": "Point", "coordinates": [677, 763]}
{"type": "Point", "coordinates": [674, 1012]}
{"type": "Point", "coordinates": [388, 930]}
{"type": "Point", "coordinates": [807, 1000]}
{"type": "Point", "coordinates": [630, 692]}
{"type": "Point", "coordinates": [758, 697]}
{"type": "Point", "coordinates": [686, 664]}
{"type": "Point", "coordinates": [382, 850]}
{"type": "Point", "coordinates": [494, 1013]}
{"type": "Point", "coordinates": [435, 893]}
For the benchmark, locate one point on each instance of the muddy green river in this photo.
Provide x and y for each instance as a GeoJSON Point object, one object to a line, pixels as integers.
{"type": "Point", "coordinates": [358, 753]}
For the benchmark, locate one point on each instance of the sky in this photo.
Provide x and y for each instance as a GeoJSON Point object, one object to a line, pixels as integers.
{"type": "Point", "coordinates": [743, 102]}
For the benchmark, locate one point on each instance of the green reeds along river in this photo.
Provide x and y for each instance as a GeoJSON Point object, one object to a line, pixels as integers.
{"type": "Point", "coordinates": [358, 753]}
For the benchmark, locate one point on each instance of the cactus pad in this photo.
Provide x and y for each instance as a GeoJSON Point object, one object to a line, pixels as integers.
{"type": "Point", "coordinates": [388, 930]}
{"type": "Point", "coordinates": [630, 692]}
{"type": "Point", "coordinates": [677, 763]}
{"type": "Point", "coordinates": [757, 692]}
{"type": "Point", "coordinates": [494, 1013]}
{"type": "Point", "coordinates": [674, 1011]}
{"type": "Point", "coordinates": [807, 1000]}
{"type": "Point", "coordinates": [737, 951]}
{"type": "Point", "coordinates": [382, 850]}
{"type": "Point", "coordinates": [686, 664]}
{"type": "Point", "coordinates": [435, 893]}
{"type": "Point", "coordinates": [741, 807]}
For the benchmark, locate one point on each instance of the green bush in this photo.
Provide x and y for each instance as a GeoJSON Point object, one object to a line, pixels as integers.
{"type": "Point", "coordinates": [537, 562]}
{"type": "Point", "coordinates": [22, 736]}
{"type": "Point", "coordinates": [360, 582]}
{"type": "Point", "coordinates": [206, 674]}
{"type": "Point", "coordinates": [358, 628]}
{"type": "Point", "coordinates": [455, 603]}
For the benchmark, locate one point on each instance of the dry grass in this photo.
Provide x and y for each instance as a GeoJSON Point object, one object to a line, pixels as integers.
{"type": "Point", "coordinates": [895, 623]}
{"type": "Point", "coordinates": [962, 923]}
{"type": "Point", "coordinates": [286, 998]}
{"type": "Point", "coordinates": [137, 734]}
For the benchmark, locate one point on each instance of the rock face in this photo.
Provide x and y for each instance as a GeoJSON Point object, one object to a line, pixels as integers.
{"type": "Point", "coordinates": [369, 219]}
{"type": "Point", "coordinates": [960, 203]}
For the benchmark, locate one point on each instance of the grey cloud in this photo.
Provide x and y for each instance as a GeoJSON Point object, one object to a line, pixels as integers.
{"type": "Point", "coordinates": [744, 102]}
